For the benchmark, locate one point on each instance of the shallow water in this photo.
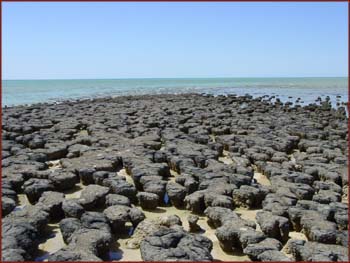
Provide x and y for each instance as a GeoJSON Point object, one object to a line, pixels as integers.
{"type": "Point", "coordinates": [17, 92]}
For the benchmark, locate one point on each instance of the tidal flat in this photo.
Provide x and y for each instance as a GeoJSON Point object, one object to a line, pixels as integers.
{"type": "Point", "coordinates": [185, 177]}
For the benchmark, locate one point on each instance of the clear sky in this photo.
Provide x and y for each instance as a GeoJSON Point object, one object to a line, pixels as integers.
{"type": "Point", "coordinates": [140, 40]}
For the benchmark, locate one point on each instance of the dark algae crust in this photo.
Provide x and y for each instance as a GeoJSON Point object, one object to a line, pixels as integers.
{"type": "Point", "coordinates": [269, 179]}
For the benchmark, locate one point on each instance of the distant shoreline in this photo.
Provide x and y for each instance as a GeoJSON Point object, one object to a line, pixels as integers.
{"type": "Point", "coordinates": [20, 92]}
{"type": "Point", "coordinates": [268, 98]}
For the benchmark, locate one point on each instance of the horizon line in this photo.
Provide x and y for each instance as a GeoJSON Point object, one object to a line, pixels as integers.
{"type": "Point", "coordinates": [174, 78]}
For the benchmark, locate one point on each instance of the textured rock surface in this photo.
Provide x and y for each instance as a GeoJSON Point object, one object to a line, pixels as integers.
{"type": "Point", "coordinates": [175, 245]}
{"type": "Point", "coordinates": [78, 174]}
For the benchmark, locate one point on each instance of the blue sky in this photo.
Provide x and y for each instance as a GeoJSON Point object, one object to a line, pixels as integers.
{"type": "Point", "coordinates": [141, 40]}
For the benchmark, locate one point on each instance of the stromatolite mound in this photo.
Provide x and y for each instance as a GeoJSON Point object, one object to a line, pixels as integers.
{"type": "Point", "coordinates": [169, 244]}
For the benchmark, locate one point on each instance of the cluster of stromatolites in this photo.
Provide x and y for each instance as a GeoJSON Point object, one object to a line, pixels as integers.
{"type": "Point", "coordinates": [48, 150]}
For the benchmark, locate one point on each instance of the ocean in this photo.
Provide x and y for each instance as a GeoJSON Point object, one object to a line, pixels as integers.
{"type": "Point", "coordinates": [19, 92]}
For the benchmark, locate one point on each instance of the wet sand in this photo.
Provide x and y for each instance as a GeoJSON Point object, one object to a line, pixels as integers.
{"type": "Point", "coordinates": [128, 178]}
{"type": "Point", "coordinates": [53, 243]}
{"type": "Point", "coordinates": [22, 201]}
{"type": "Point", "coordinates": [261, 179]}
{"type": "Point", "coordinates": [75, 192]}
{"type": "Point", "coordinates": [226, 159]}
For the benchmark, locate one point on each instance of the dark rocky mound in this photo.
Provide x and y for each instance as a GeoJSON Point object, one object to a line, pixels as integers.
{"type": "Point", "coordinates": [168, 244]}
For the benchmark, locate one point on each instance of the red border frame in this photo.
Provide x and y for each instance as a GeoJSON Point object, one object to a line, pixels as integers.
{"type": "Point", "coordinates": [348, 103]}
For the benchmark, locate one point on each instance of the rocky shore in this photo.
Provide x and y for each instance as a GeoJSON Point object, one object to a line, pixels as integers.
{"type": "Point", "coordinates": [175, 178]}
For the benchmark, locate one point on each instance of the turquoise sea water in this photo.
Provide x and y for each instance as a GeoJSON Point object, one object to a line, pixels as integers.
{"type": "Point", "coordinates": [17, 92]}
